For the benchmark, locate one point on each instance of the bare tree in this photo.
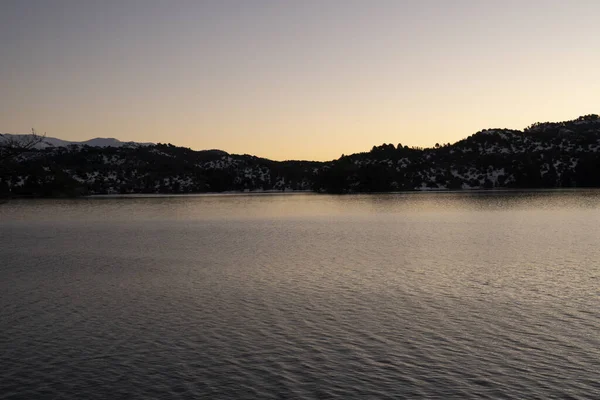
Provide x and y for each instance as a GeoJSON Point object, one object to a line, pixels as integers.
{"type": "Point", "coordinates": [13, 145]}
{"type": "Point", "coordinates": [10, 147]}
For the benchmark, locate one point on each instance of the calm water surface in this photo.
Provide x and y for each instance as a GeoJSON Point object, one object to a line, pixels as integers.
{"type": "Point", "coordinates": [442, 295]}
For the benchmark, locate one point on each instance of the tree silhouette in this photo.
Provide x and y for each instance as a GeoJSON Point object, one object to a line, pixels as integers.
{"type": "Point", "coordinates": [13, 145]}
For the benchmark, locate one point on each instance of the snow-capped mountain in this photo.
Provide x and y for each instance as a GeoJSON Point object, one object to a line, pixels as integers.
{"type": "Point", "coordinates": [96, 142]}
{"type": "Point", "coordinates": [544, 155]}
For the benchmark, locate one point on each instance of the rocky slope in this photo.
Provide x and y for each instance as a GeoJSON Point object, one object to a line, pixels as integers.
{"type": "Point", "coordinates": [544, 155]}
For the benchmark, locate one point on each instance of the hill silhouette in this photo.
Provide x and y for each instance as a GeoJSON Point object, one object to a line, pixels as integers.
{"type": "Point", "coordinates": [543, 155]}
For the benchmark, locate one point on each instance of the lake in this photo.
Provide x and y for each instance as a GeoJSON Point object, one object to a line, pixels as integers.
{"type": "Point", "coordinates": [413, 295]}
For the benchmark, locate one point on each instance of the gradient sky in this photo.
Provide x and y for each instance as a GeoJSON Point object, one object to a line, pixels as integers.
{"type": "Point", "coordinates": [294, 79]}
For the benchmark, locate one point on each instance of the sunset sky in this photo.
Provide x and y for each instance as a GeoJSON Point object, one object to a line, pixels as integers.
{"type": "Point", "coordinates": [294, 79]}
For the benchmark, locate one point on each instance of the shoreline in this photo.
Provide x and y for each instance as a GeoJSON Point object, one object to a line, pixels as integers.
{"type": "Point", "coordinates": [303, 192]}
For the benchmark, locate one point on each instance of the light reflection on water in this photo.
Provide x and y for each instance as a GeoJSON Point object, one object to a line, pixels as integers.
{"type": "Point", "coordinates": [467, 295]}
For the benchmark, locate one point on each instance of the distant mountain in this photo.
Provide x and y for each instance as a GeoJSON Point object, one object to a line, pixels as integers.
{"type": "Point", "coordinates": [96, 142]}
{"type": "Point", "coordinates": [544, 155]}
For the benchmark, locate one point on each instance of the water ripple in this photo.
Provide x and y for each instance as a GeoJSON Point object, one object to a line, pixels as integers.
{"type": "Point", "coordinates": [437, 299]}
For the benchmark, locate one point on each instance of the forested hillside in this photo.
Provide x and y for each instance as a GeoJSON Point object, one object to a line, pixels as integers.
{"type": "Point", "coordinates": [544, 155]}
